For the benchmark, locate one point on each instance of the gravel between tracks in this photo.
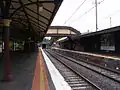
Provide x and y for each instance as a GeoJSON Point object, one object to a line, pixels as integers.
{"type": "Point", "coordinates": [75, 81]}
{"type": "Point", "coordinates": [103, 82]}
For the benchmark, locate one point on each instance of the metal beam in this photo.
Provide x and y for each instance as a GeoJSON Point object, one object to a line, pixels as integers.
{"type": "Point", "coordinates": [37, 14]}
{"type": "Point", "coordinates": [63, 35]}
{"type": "Point", "coordinates": [37, 25]}
{"type": "Point", "coordinates": [34, 22]}
{"type": "Point", "coordinates": [19, 22]}
{"type": "Point", "coordinates": [14, 1]}
{"type": "Point", "coordinates": [31, 21]}
{"type": "Point", "coordinates": [30, 1]}
{"type": "Point", "coordinates": [30, 27]}
{"type": "Point", "coordinates": [47, 10]}
{"type": "Point", "coordinates": [6, 9]}
{"type": "Point", "coordinates": [37, 19]}
{"type": "Point", "coordinates": [34, 18]}
{"type": "Point", "coordinates": [30, 4]}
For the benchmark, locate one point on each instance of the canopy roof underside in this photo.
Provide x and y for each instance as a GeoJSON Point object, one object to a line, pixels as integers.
{"type": "Point", "coordinates": [31, 18]}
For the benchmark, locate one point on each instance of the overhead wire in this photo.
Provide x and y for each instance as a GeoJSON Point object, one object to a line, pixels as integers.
{"type": "Point", "coordinates": [75, 11]}
{"type": "Point", "coordinates": [87, 12]}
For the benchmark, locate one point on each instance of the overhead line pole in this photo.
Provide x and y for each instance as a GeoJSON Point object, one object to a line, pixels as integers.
{"type": "Point", "coordinates": [110, 22]}
{"type": "Point", "coordinates": [96, 14]}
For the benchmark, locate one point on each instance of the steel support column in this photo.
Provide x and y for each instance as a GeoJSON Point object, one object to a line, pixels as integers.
{"type": "Point", "coordinates": [6, 26]}
{"type": "Point", "coordinates": [7, 62]}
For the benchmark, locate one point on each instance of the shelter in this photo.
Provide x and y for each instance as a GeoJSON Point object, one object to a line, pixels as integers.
{"type": "Point", "coordinates": [24, 20]}
{"type": "Point", "coordinates": [103, 41]}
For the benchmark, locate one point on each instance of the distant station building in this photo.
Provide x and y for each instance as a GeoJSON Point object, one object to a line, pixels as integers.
{"type": "Point", "coordinates": [62, 32]}
{"type": "Point", "coordinates": [106, 40]}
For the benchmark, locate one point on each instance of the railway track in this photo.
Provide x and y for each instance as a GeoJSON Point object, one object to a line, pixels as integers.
{"type": "Point", "coordinates": [74, 79]}
{"type": "Point", "coordinates": [110, 76]}
{"type": "Point", "coordinates": [114, 75]}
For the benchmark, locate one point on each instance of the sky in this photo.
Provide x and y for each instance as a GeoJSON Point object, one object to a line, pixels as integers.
{"type": "Point", "coordinates": [84, 19]}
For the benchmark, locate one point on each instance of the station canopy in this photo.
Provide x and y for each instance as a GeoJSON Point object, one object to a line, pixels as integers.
{"type": "Point", "coordinates": [31, 18]}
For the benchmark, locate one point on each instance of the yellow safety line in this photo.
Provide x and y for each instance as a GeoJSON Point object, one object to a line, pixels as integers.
{"type": "Point", "coordinates": [42, 79]}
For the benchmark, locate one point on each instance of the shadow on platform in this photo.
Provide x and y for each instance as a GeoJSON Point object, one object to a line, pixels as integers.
{"type": "Point", "coordinates": [23, 65]}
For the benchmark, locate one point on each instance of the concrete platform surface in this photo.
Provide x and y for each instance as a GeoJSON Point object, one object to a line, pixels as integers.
{"type": "Point", "coordinates": [23, 65]}
{"type": "Point", "coordinates": [34, 71]}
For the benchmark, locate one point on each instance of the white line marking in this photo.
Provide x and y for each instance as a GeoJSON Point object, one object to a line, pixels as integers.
{"type": "Point", "coordinates": [57, 78]}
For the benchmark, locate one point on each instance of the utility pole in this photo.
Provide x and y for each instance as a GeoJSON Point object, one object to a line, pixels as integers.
{"type": "Point", "coordinates": [96, 14]}
{"type": "Point", "coordinates": [110, 22]}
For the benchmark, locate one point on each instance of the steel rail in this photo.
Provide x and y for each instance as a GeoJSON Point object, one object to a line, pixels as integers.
{"type": "Point", "coordinates": [87, 80]}
{"type": "Point", "coordinates": [90, 68]}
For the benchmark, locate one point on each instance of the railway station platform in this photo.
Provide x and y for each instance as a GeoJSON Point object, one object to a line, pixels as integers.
{"type": "Point", "coordinates": [33, 71]}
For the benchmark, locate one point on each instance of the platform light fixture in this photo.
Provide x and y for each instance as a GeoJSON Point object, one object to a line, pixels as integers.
{"type": "Point", "coordinates": [40, 7]}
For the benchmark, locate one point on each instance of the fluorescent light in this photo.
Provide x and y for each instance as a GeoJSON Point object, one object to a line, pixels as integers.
{"type": "Point", "coordinates": [40, 8]}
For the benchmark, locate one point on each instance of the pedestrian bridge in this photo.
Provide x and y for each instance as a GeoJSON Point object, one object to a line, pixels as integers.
{"type": "Point", "coordinates": [62, 31]}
